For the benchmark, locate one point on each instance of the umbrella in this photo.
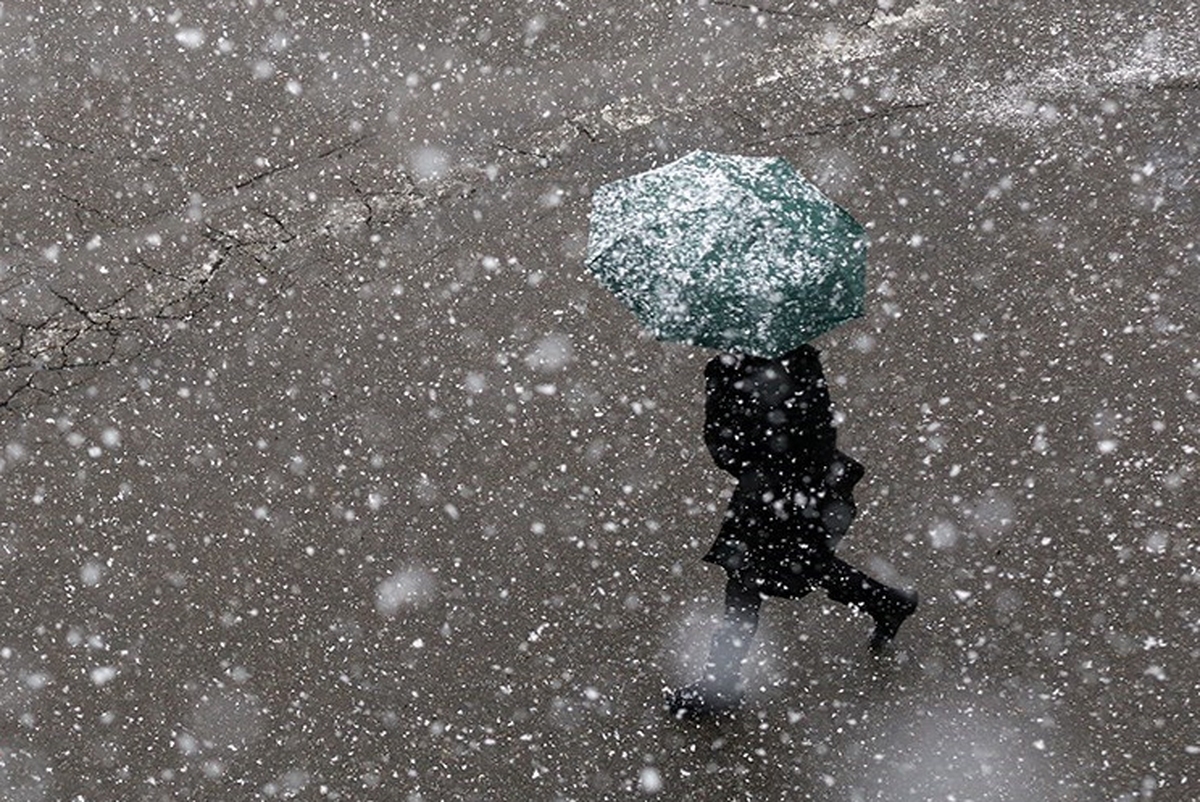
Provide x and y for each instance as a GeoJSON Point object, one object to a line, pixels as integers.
{"type": "Point", "coordinates": [732, 252]}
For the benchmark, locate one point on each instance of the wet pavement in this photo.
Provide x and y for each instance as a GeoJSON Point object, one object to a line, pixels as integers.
{"type": "Point", "coordinates": [330, 473]}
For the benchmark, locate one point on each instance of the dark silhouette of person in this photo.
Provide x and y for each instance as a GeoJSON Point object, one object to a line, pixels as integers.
{"type": "Point", "coordinates": [769, 423]}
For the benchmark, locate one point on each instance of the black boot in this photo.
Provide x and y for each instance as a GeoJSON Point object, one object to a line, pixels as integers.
{"type": "Point", "coordinates": [720, 690]}
{"type": "Point", "coordinates": [887, 605]}
{"type": "Point", "coordinates": [889, 613]}
{"type": "Point", "coordinates": [703, 698]}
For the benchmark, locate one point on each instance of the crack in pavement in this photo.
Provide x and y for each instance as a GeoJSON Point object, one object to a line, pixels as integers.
{"type": "Point", "coordinates": [45, 318]}
{"type": "Point", "coordinates": [46, 344]}
{"type": "Point", "coordinates": [329, 152]}
{"type": "Point", "coordinates": [82, 209]}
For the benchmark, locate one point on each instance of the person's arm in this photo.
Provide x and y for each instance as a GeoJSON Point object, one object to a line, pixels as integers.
{"type": "Point", "coordinates": [808, 429]}
{"type": "Point", "coordinates": [723, 433]}
{"type": "Point", "coordinates": [844, 473]}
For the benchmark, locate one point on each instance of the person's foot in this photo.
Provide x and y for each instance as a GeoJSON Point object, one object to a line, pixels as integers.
{"type": "Point", "coordinates": [703, 698]}
{"type": "Point", "coordinates": [888, 621]}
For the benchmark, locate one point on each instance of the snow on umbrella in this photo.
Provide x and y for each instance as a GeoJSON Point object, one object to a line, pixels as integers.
{"type": "Point", "coordinates": [737, 253]}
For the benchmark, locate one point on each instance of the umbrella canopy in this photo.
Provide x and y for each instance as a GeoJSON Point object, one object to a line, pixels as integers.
{"type": "Point", "coordinates": [731, 252]}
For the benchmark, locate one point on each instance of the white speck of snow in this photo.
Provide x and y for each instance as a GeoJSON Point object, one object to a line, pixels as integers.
{"type": "Point", "coordinates": [943, 535]}
{"type": "Point", "coordinates": [993, 515]}
{"type": "Point", "coordinates": [294, 87]}
{"type": "Point", "coordinates": [864, 343]}
{"type": "Point", "coordinates": [475, 383]}
{"type": "Point", "coordinates": [534, 28]}
{"type": "Point", "coordinates": [1156, 542]}
{"type": "Point", "coordinates": [111, 438]}
{"type": "Point", "coordinates": [102, 675]}
{"type": "Point", "coordinates": [407, 588]}
{"type": "Point", "coordinates": [186, 744]}
{"type": "Point", "coordinates": [551, 353]}
{"type": "Point", "coordinates": [429, 162]}
{"type": "Point", "coordinates": [958, 751]}
{"type": "Point", "coordinates": [288, 784]}
{"type": "Point", "coordinates": [191, 38]}
{"type": "Point", "coordinates": [1040, 444]}
{"type": "Point", "coordinates": [650, 781]}
{"type": "Point", "coordinates": [91, 573]}
{"type": "Point", "coordinates": [1106, 446]}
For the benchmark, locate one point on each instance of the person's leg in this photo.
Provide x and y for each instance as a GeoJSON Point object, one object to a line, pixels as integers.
{"type": "Point", "coordinates": [888, 606]}
{"type": "Point", "coordinates": [721, 686]}
{"type": "Point", "coordinates": [731, 642]}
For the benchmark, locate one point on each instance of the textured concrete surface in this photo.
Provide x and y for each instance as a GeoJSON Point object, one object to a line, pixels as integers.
{"type": "Point", "coordinates": [329, 473]}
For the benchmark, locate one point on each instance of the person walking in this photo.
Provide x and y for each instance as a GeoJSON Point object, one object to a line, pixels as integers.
{"type": "Point", "coordinates": [769, 423]}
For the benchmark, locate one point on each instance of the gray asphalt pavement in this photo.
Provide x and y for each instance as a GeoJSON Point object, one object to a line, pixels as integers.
{"type": "Point", "coordinates": [329, 472]}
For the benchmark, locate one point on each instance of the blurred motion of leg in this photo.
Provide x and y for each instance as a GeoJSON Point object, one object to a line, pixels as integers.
{"type": "Point", "coordinates": [720, 688]}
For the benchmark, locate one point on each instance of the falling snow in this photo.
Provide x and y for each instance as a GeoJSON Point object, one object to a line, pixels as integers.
{"type": "Point", "coordinates": [332, 472]}
{"type": "Point", "coordinates": [407, 588]}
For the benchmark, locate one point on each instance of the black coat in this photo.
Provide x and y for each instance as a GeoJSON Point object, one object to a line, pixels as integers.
{"type": "Point", "coordinates": [769, 422]}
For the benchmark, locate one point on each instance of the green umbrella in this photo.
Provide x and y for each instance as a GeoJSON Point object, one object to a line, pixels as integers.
{"type": "Point", "coordinates": [731, 252]}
